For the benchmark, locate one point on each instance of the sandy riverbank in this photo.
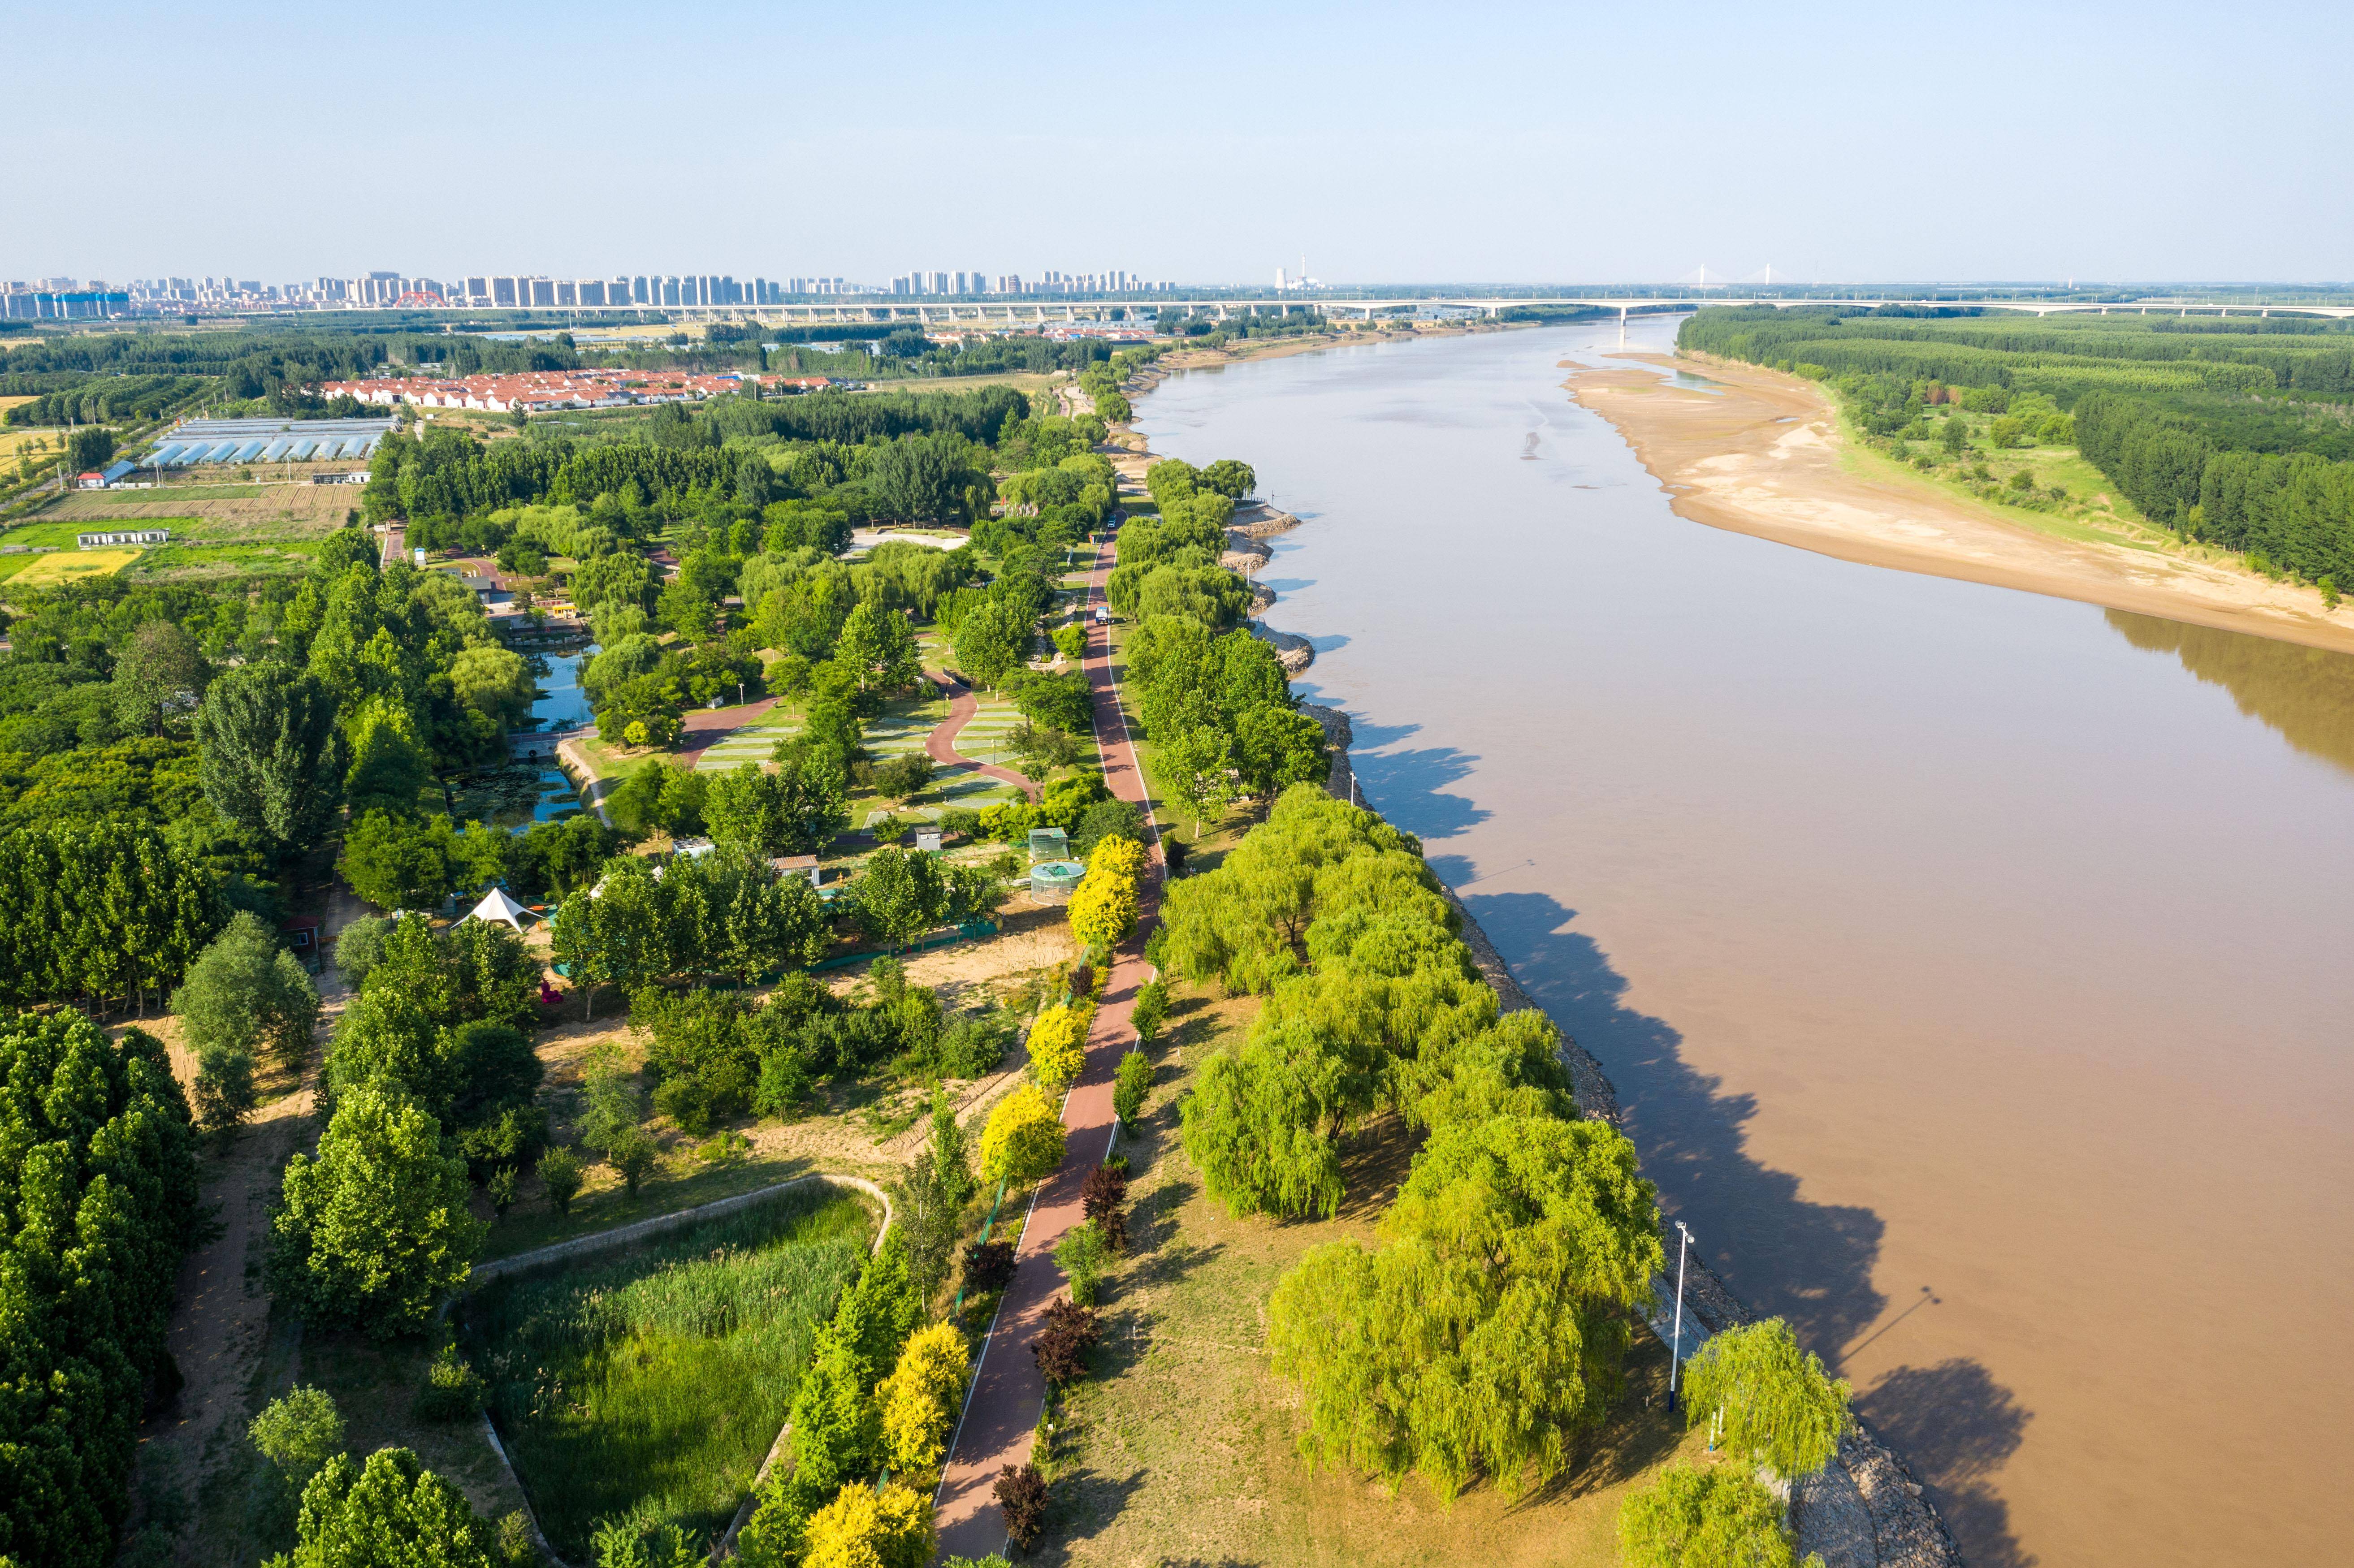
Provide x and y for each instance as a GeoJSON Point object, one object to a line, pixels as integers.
{"type": "Point", "coordinates": [1766, 456]}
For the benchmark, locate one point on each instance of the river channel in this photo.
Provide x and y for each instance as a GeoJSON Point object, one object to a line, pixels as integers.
{"type": "Point", "coordinates": [1969, 962]}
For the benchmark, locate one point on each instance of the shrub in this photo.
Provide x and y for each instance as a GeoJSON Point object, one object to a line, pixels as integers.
{"type": "Point", "coordinates": [1023, 1140]}
{"type": "Point", "coordinates": [634, 1159]}
{"type": "Point", "coordinates": [1151, 1010]}
{"type": "Point", "coordinates": [1130, 1084]}
{"type": "Point", "coordinates": [451, 1393]}
{"type": "Point", "coordinates": [904, 776]}
{"type": "Point", "coordinates": [1058, 1046]}
{"type": "Point", "coordinates": [1022, 1499]}
{"type": "Point", "coordinates": [560, 1171]}
{"type": "Point", "coordinates": [1062, 1346]}
{"type": "Point", "coordinates": [1104, 1196]}
{"type": "Point", "coordinates": [1719, 1514]}
{"type": "Point", "coordinates": [500, 1190]}
{"type": "Point", "coordinates": [297, 1433]}
{"type": "Point", "coordinates": [1082, 1254]}
{"type": "Point", "coordinates": [1106, 818]}
{"type": "Point", "coordinates": [971, 1045]}
{"type": "Point", "coordinates": [988, 1266]}
{"type": "Point", "coordinates": [1103, 907]}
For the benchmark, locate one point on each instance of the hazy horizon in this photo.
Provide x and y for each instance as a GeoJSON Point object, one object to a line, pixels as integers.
{"type": "Point", "coordinates": [1202, 145]}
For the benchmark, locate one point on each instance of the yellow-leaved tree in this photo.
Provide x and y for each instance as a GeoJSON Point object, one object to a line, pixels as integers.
{"type": "Point", "coordinates": [1103, 906]}
{"type": "Point", "coordinates": [1058, 1045]}
{"type": "Point", "coordinates": [862, 1528]}
{"type": "Point", "coordinates": [920, 1399]}
{"type": "Point", "coordinates": [1023, 1140]}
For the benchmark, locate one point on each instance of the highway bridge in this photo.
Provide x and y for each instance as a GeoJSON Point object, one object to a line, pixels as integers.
{"type": "Point", "coordinates": [1036, 313]}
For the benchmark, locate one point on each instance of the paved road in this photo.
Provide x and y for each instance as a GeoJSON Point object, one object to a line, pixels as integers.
{"type": "Point", "coordinates": [940, 745]}
{"type": "Point", "coordinates": [1001, 1412]}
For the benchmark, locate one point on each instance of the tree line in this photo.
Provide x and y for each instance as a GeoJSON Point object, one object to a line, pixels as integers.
{"type": "Point", "coordinates": [2225, 434]}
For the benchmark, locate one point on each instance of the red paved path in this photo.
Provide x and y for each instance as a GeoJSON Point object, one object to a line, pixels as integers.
{"type": "Point", "coordinates": [706, 727]}
{"type": "Point", "coordinates": [940, 745]}
{"type": "Point", "coordinates": [1002, 1410]}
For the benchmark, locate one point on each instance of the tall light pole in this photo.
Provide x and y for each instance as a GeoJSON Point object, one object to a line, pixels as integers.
{"type": "Point", "coordinates": [1675, 1349]}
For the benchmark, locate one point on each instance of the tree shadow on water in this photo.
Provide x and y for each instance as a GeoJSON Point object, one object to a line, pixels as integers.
{"type": "Point", "coordinates": [1957, 1427]}
{"type": "Point", "coordinates": [1408, 782]}
{"type": "Point", "coordinates": [1810, 1263]}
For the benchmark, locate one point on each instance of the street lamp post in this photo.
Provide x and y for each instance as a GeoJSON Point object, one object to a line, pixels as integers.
{"type": "Point", "coordinates": [1675, 1349]}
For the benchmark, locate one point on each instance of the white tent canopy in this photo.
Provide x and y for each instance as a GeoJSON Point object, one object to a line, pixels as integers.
{"type": "Point", "coordinates": [497, 905]}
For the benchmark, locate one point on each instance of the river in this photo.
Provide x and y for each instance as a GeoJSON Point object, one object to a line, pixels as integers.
{"type": "Point", "coordinates": [1967, 960]}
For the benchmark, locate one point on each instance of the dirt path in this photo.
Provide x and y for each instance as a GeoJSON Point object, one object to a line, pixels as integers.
{"type": "Point", "coordinates": [940, 745]}
{"type": "Point", "coordinates": [1763, 455]}
{"type": "Point", "coordinates": [1002, 1413]}
{"type": "Point", "coordinates": [221, 1315]}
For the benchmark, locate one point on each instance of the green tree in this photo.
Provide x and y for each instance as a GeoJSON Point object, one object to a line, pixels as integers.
{"type": "Point", "coordinates": [399, 862]}
{"type": "Point", "coordinates": [247, 992]}
{"type": "Point", "coordinates": [1489, 1328]}
{"type": "Point", "coordinates": [391, 1513]}
{"type": "Point", "coordinates": [159, 675]}
{"type": "Point", "coordinates": [375, 1230]}
{"type": "Point", "coordinates": [899, 896]}
{"type": "Point", "coordinates": [1228, 478]}
{"type": "Point", "coordinates": [270, 758]}
{"type": "Point", "coordinates": [880, 647]}
{"type": "Point", "coordinates": [1956, 436]}
{"type": "Point", "coordinates": [1196, 765]}
{"type": "Point", "coordinates": [1151, 1010]}
{"type": "Point", "coordinates": [560, 1172]}
{"type": "Point", "coordinates": [1716, 1517]}
{"type": "Point", "coordinates": [995, 639]}
{"type": "Point", "coordinates": [1082, 1255]}
{"type": "Point", "coordinates": [1781, 1408]}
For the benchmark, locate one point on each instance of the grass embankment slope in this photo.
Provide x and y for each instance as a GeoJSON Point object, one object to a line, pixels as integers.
{"type": "Point", "coordinates": [1767, 454]}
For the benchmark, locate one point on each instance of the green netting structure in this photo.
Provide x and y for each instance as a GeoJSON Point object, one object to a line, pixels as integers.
{"type": "Point", "coordinates": [1051, 881]}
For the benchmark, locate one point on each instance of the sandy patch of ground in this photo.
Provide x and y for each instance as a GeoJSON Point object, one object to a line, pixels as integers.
{"type": "Point", "coordinates": [1765, 458]}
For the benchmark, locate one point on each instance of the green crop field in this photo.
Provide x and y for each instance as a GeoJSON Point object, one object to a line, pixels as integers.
{"type": "Point", "coordinates": [660, 1377]}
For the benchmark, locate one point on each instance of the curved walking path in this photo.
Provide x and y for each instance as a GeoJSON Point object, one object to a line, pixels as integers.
{"type": "Point", "coordinates": [1002, 1410]}
{"type": "Point", "coordinates": [940, 745]}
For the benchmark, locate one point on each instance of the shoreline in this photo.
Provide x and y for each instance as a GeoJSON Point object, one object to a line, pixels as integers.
{"type": "Point", "coordinates": [1765, 455]}
{"type": "Point", "coordinates": [1866, 1509]}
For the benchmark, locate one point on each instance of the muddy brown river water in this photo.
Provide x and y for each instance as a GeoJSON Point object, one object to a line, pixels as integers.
{"type": "Point", "coordinates": [1973, 965]}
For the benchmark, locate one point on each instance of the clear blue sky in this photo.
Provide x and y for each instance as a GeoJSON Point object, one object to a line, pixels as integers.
{"type": "Point", "coordinates": [1206, 143]}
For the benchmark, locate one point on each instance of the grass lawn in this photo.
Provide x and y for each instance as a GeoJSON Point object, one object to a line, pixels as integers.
{"type": "Point", "coordinates": [662, 1373]}
{"type": "Point", "coordinates": [1182, 1448]}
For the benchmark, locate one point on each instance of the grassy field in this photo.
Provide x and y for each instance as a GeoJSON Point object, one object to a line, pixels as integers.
{"type": "Point", "coordinates": [2092, 514]}
{"type": "Point", "coordinates": [62, 567]}
{"type": "Point", "coordinates": [663, 1373]}
{"type": "Point", "coordinates": [1182, 1448]}
{"type": "Point", "coordinates": [199, 560]}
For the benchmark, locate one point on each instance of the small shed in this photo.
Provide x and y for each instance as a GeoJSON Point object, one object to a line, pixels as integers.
{"type": "Point", "coordinates": [1049, 843]}
{"type": "Point", "coordinates": [497, 905]}
{"type": "Point", "coordinates": [692, 849]}
{"type": "Point", "coordinates": [801, 865]}
{"type": "Point", "coordinates": [928, 843]}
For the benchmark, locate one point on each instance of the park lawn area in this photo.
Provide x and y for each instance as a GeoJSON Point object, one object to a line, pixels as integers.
{"type": "Point", "coordinates": [662, 1373]}
{"type": "Point", "coordinates": [1183, 1446]}
{"type": "Point", "coordinates": [63, 566]}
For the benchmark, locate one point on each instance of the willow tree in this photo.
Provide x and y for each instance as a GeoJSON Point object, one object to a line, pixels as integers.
{"type": "Point", "coordinates": [1490, 1326]}
{"type": "Point", "coordinates": [1719, 1514]}
{"type": "Point", "coordinates": [1781, 1408]}
{"type": "Point", "coordinates": [1263, 1123]}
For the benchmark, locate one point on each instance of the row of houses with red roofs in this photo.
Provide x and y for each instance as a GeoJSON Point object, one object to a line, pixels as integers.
{"type": "Point", "coordinates": [549, 391]}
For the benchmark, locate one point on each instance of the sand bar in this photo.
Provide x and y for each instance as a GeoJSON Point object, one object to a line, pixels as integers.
{"type": "Point", "coordinates": [1766, 456]}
